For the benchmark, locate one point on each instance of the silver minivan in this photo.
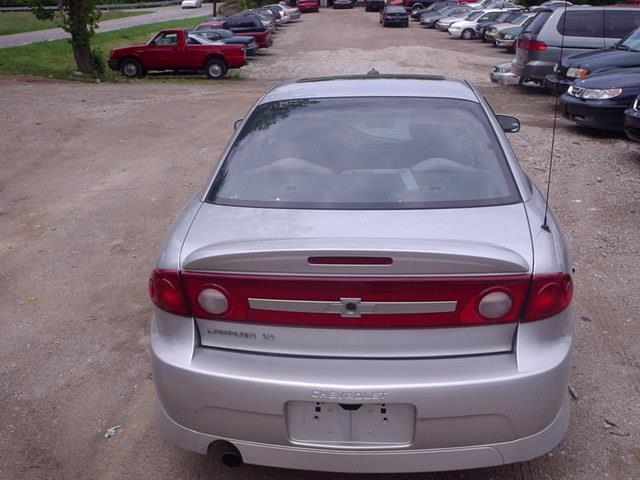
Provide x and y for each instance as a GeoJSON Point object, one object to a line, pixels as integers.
{"type": "Point", "coordinates": [584, 29]}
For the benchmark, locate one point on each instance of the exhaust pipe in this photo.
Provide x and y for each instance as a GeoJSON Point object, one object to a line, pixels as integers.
{"type": "Point", "coordinates": [230, 455]}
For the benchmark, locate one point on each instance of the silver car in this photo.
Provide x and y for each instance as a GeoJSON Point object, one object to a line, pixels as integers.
{"type": "Point", "coordinates": [366, 284]}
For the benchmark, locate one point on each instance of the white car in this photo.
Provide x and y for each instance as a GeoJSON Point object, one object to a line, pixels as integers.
{"type": "Point", "coordinates": [466, 28]}
{"type": "Point", "coordinates": [191, 4]}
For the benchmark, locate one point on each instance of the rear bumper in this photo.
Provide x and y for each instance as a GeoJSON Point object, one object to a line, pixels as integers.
{"type": "Point", "coordinates": [595, 114]}
{"type": "Point", "coordinates": [393, 22]}
{"type": "Point", "coordinates": [470, 411]}
{"type": "Point", "coordinates": [535, 70]}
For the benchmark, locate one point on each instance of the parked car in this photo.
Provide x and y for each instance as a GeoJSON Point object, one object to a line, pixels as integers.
{"type": "Point", "coordinates": [293, 331]}
{"type": "Point", "coordinates": [466, 28]}
{"type": "Point", "coordinates": [228, 37]}
{"type": "Point", "coordinates": [245, 25]}
{"type": "Point", "coordinates": [416, 13]}
{"type": "Point", "coordinates": [309, 5]}
{"type": "Point", "coordinates": [503, 74]}
{"type": "Point", "coordinates": [584, 29]}
{"type": "Point", "coordinates": [373, 5]}
{"type": "Point", "coordinates": [292, 11]}
{"type": "Point", "coordinates": [191, 3]}
{"type": "Point", "coordinates": [505, 17]}
{"type": "Point", "coordinates": [174, 50]}
{"type": "Point", "coordinates": [445, 22]}
{"type": "Point", "coordinates": [343, 3]}
{"type": "Point", "coordinates": [599, 100]}
{"type": "Point", "coordinates": [507, 36]}
{"type": "Point", "coordinates": [429, 20]}
{"type": "Point", "coordinates": [394, 16]}
{"type": "Point", "coordinates": [632, 120]}
{"type": "Point", "coordinates": [492, 33]}
{"type": "Point", "coordinates": [624, 54]}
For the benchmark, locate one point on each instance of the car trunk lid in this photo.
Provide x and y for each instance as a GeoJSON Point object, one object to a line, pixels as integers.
{"type": "Point", "coordinates": [401, 283]}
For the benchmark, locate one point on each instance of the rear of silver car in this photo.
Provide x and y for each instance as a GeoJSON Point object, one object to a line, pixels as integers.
{"type": "Point", "coordinates": [336, 335]}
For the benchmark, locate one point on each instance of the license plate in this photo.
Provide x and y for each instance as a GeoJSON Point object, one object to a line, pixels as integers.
{"type": "Point", "coordinates": [319, 423]}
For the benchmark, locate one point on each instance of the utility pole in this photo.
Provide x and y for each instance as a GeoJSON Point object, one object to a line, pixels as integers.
{"type": "Point", "coordinates": [215, 8]}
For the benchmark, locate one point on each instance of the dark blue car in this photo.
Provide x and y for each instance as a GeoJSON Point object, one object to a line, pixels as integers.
{"type": "Point", "coordinates": [624, 54]}
{"type": "Point", "coordinates": [599, 100]}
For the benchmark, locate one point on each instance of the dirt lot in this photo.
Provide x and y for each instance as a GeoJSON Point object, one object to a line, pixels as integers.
{"type": "Point", "coordinates": [91, 176]}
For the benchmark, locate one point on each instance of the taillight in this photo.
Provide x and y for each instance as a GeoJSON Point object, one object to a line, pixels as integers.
{"type": "Point", "coordinates": [548, 296]}
{"type": "Point", "coordinates": [357, 302]}
{"type": "Point", "coordinates": [533, 45]}
{"type": "Point", "coordinates": [165, 290]}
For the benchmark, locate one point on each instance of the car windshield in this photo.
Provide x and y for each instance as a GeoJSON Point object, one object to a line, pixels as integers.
{"type": "Point", "coordinates": [631, 41]}
{"type": "Point", "coordinates": [474, 15]}
{"type": "Point", "coordinates": [396, 10]}
{"type": "Point", "coordinates": [365, 153]}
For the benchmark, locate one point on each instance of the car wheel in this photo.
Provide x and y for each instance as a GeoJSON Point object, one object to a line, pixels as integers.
{"type": "Point", "coordinates": [131, 68]}
{"type": "Point", "coordinates": [215, 68]}
{"type": "Point", "coordinates": [467, 34]}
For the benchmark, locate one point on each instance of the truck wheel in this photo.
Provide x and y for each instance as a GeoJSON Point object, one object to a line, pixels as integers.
{"type": "Point", "coordinates": [417, 6]}
{"type": "Point", "coordinates": [468, 34]}
{"type": "Point", "coordinates": [215, 68]}
{"type": "Point", "coordinates": [131, 68]}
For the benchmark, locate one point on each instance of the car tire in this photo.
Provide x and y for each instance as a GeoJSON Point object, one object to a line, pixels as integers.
{"type": "Point", "coordinates": [215, 68]}
{"type": "Point", "coordinates": [131, 68]}
{"type": "Point", "coordinates": [467, 34]}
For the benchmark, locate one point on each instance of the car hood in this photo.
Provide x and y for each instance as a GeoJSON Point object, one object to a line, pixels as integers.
{"type": "Point", "coordinates": [127, 49]}
{"type": "Point", "coordinates": [618, 78]}
{"type": "Point", "coordinates": [604, 58]}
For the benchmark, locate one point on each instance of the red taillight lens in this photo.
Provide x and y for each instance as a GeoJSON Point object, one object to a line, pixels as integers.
{"type": "Point", "coordinates": [533, 45]}
{"type": "Point", "coordinates": [549, 295]}
{"type": "Point", "coordinates": [481, 300]}
{"type": "Point", "coordinates": [165, 290]}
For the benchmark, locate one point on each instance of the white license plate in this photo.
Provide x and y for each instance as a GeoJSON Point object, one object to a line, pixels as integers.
{"type": "Point", "coordinates": [382, 424]}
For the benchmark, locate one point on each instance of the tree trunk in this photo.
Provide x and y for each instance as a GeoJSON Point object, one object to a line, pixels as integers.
{"type": "Point", "coordinates": [82, 54]}
{"type": "Point", "coordinates": [80, 37]}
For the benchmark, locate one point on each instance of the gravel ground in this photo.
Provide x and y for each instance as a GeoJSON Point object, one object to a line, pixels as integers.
{"type": "Point", "coordinates": [92, 175]}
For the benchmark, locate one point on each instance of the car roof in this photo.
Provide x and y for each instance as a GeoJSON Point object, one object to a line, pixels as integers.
{"type": "Point", "coordinates": [373, 85]}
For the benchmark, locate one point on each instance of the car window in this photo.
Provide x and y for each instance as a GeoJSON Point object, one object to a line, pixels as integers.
{"type": "Point", "coordinates": [631, 41]}
{"type": "Point", "coordinates": [581, 24]}
{"type": "Point", "coordinates": [619, 23]}
{"type": "Point", "coordinates": [537, 23]}
{"type": "Point", "coordinates": [168, 38]}
{"type": "Point", "coordinates": [365, 153]}
{"type": "Point", "coordinates": [474, 15]}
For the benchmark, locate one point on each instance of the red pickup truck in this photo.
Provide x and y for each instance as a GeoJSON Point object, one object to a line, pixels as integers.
{"type": "Point", "coordinates": [176, 50]}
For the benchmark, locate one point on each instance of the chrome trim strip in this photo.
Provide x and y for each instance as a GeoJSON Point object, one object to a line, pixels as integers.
{"type": "Point", "coordinates": [352, 307]}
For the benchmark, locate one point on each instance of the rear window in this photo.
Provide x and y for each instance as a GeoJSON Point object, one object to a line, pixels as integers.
{"type": "Point", "coordinates": [537, 23]}
{"type": "Point", "coordinates": [617, 24]}
{"type": "Point", "coordinates": [365, 153]}
{"type": "Point", "coordinates": [581, 24]}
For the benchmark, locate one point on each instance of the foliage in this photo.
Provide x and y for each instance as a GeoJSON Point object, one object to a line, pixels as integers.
{"type": "Point", "coordinates": [55, 58]}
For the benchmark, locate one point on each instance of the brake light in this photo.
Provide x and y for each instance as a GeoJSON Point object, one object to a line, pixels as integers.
{"type": "Point", "coordinates": [548, 296]}
{"type": "Point", "coordinates": [532, 45]}
{"type": "Point", "coordinates": [165, 290]}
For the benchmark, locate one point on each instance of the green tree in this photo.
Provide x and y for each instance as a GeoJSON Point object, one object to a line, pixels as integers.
{"type": "Point", "coordinates": [80, 19]}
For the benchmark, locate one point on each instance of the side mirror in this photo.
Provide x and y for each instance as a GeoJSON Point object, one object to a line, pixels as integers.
{"type": "Point", "coordinates": [509, 123]}
{"type": "Point", "coordinates": [237, 123]}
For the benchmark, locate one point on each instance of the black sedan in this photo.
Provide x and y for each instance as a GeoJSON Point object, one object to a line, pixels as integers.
{"type": "Point", "coordinates": [394, 16]}
{"type": "Point", "coordinates": [632, 120]}
{"type": "Point", "coordinates": [227, 36]}
{"type": "Point", "coordinates": [599, 101]}
{"type": "Point", "coordinates": [624, 54]}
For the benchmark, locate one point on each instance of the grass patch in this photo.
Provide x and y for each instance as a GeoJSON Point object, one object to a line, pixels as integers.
{"type": "Point", "coordinates": [56, 58]}
{"type": "Point", "coordinates": [20, 22]}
